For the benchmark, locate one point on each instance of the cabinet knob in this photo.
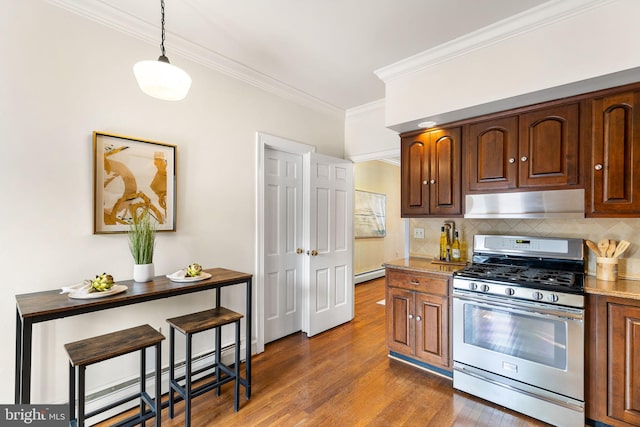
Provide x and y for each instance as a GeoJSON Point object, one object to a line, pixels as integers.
{"type": "Point", "coordinates": [523, 158]}
{"type": "Point", "coordinates": [512, 160]}
{"type": "Point", "coordinates": [418, 318]}
{"type": "Point", "coordinates": [598, 167]}
{"type": "Point", "coordinates": [410, 316]}
{"type": "Point", "coordinates": [433, 181]}
{"type": "Point", "coordinates": [425, 182]}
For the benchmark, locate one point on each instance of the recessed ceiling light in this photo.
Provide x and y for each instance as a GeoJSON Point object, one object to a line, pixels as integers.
{"type": "Point", "coordinates": [427, 124]}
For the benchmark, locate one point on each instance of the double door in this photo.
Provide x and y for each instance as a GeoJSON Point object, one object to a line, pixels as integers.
{"type": "Point", "coordinates": [532, 150]}
{"type": "Point", "coordinates": [431, 173]}
{"type": "Point", "coordinates": [308, 243]}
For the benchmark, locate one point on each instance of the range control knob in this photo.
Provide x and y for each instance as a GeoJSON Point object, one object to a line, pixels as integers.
{"type": "Point", "coordinates": [552, 297]}
{"type": "Point", "coordinates": [509, 291]}
{"type": "Point", "coordinates": [473, 286]}
{"type": "Point", "coordinates": [537, 295]}
{"type": "Point", "coordinates": [484, 288]}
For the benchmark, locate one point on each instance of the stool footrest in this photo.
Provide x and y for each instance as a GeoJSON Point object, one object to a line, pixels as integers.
{"type": "Point", "coordinates": [225, 368]}
{"type": "Point", "coordinates": [202, 388]}
{"type": "Point", "coordinates": [137, 419]}
{"type": "Point", "coordinates": [120, 402]}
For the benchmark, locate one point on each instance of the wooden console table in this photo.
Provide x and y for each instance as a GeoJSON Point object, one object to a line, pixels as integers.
{"type": "Point", "coordinates": [49, 305]}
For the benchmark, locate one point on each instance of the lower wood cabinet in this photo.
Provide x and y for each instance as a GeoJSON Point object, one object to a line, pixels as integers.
{"type": "Point", "coordinates": [613, 360]}
{"type": "Point", "coordinates": [417, 316]}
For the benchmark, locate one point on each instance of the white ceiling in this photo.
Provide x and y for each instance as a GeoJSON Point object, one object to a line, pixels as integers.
{"type": "Point", "coordinates": [327, 49]}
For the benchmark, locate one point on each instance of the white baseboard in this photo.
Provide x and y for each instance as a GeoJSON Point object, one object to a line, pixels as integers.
{"type": "Point", "coordinates": [368, 275]}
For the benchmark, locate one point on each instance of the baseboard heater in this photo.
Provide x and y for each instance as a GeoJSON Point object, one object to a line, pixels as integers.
{"type": "Point", "coordinates": [368, 275]}
{"type": "Point", "coordinates": [115, 392]}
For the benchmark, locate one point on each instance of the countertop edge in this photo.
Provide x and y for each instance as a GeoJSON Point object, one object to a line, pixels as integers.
{"type": "Point", "coordinates": [621, 288]}
{"type": "Point", "coordinates": [422, 265]}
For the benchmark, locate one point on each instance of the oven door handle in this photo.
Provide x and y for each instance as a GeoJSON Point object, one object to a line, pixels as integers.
{"type": "Point", "coordinates": [527, 309]}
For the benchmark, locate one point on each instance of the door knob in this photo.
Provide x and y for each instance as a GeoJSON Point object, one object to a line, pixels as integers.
{"type": "Point", "coordinates": [312, 253]}
{"type": "Point", "coordinates": [299, 251]}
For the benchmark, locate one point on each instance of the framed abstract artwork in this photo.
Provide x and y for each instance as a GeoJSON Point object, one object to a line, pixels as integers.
{"type": "Point", "coordinates": [369, 215]}
{"type": "Point", "coordinates": [132, 176]}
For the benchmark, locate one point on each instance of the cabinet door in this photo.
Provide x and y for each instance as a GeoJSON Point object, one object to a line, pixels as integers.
{"type": "Point", "coordinates": [623, 392]}
{"type": "Point", "coordinates": [445, 172]}
{"type": "Point", "coordinates": [491, 150]}
{"type": "Point", "coordinates": [549, 147]}
{"type": "Point", "coordinates": [432, 329]}
{"type": "Point", "coordinates": [399, 308]}
{"type": "Point", "coordinates": [616, 155]}
{"type": "Point", "coordinates": [414, 160]}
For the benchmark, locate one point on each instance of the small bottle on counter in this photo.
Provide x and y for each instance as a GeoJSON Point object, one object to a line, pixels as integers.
{"type": "Point", "coordinates": [444, 241]}
{"type": "Point", "coordinates": [455, 248]}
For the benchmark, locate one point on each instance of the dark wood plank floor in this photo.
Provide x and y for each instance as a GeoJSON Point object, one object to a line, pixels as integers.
{"type": "Point", "coordinates": [343, 377]}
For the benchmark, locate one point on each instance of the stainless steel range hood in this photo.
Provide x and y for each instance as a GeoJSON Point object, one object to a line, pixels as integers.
{"type": "Point", "coordinates": [529, 204]}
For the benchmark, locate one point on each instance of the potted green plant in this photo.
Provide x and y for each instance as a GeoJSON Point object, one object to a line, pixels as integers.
{"type": "Point", "coordinates": [142, 236]}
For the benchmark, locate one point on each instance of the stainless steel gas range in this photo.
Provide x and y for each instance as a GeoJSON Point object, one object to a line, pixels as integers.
{"type": "Point", "coordinates": [518, 326]}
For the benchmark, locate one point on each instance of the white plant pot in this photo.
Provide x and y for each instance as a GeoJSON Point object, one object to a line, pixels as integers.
{"type": "Point", "coordinates": [143, 273]}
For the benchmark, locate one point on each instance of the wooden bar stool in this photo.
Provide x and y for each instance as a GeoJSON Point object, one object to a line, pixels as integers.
{"type": "Point", "coordinates": [97, 349]}
{"type": "Point", "coordinates": [189, 325]}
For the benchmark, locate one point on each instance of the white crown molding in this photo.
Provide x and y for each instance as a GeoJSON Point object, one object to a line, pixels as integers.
{"type": "Point", "coordinates": [118, 20]}
{"type": "Point", "coordinates": [366, 108]}
{"type": "Point", "coordinates": [527, 21]}
{"type": "Point", "coordinates": [379, 155]}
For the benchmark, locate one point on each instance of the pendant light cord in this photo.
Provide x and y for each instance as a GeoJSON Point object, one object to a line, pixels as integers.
{"type": "Point", "coordinates": [162, 23]}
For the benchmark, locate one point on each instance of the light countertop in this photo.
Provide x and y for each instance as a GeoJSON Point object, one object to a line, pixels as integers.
{"type": "Point", "coordinates": [620, 288]}
{"type": "Point", "coordinates": [423, 265]}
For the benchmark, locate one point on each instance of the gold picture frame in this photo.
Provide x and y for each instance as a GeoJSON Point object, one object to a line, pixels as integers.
{"type": "Point", "coordinates": [132, 175]}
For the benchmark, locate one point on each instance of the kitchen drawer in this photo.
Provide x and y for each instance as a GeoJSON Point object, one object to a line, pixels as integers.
{"type": "Point", "coordinates": [418, 282]}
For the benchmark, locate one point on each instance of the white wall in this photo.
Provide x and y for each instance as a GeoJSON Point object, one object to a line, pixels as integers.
{"type": "Point", "coordinates": [366, 134]}
{"type": "Point", "coordinates": [61, 78]}
{"type": "Point", "coordinates": [581, 39]}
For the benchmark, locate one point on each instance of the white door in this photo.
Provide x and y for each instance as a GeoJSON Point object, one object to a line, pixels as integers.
{"type": "Point", "coordinates": [329, 204]}
{"type": "Point", "coordinates": [283, 266]}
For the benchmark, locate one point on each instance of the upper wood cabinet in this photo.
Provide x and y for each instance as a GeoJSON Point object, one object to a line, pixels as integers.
{"type": "Point", "coordinates": [491, 148]}
{"type": "Point", "coordinates": [615, 155]}
{"type": "Point", "coordinates": [549, 147]}
{"type": "Point", "coordinates": [533, 150]}
{"type": "Point", "coordinates": [431, 173]}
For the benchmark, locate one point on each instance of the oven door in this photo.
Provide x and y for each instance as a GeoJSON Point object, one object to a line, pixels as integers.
{"type": "Point", "coordinates": [537, 344]}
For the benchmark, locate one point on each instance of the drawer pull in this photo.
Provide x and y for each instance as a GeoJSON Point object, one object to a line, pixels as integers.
{"type": "Point", "coordinates": [414, 282]}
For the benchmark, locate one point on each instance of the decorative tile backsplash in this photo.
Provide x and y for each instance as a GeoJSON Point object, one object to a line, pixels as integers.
{"type": "Point", "coordinates": [587, 228]}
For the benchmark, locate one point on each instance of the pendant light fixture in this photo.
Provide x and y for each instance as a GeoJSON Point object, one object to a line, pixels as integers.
{"type": "Point", "coordinates": [160, 79]}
